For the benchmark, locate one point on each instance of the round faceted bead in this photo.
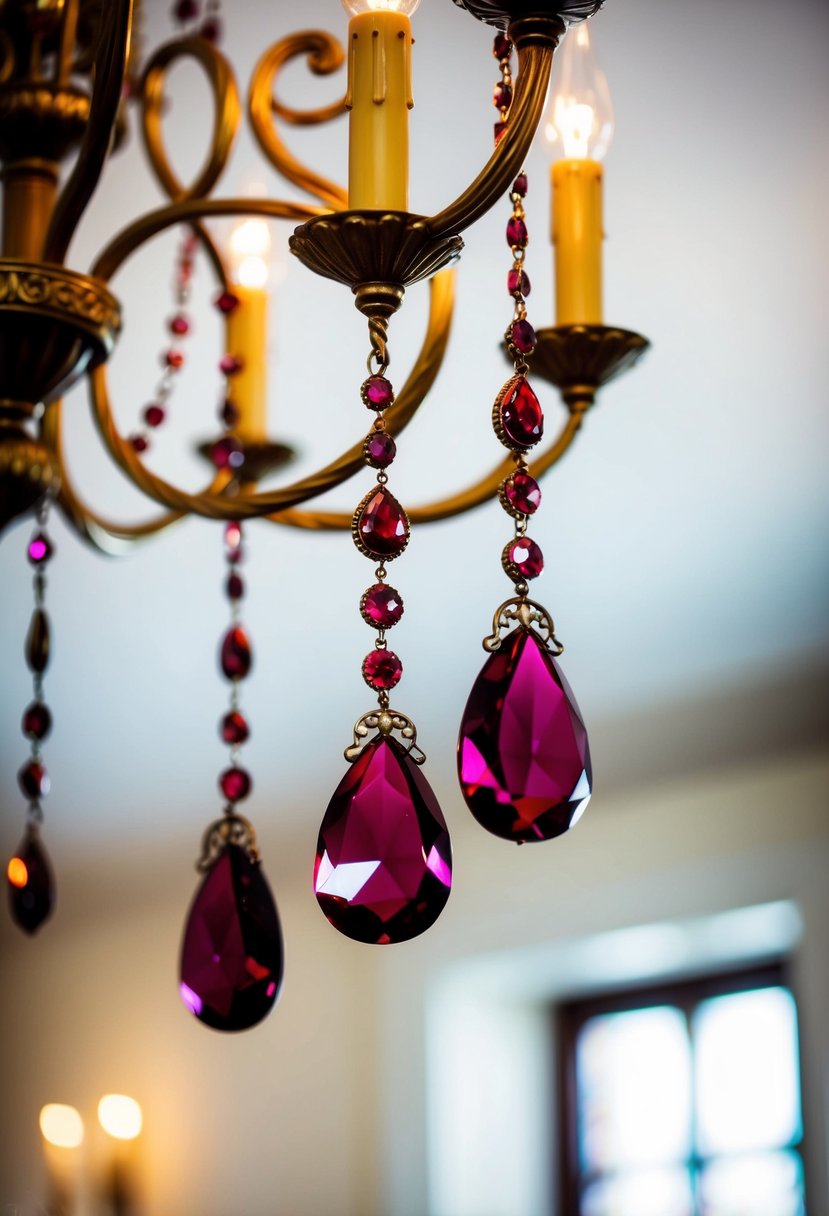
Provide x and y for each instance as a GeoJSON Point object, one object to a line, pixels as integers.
{"type": "Point", "coordinates": [231, 365]}
{"type": "Point", "coordinates": [154, 414]}
{"type": "Point", "coordinates": [229, 413]}
{"type": "Point", "coordinates": [519, 186]}
{"type": "Point", "coordinates": [234, 587]}
{"type": "Point", "coordinates": [235, 783]}
{"type": "Point", "coordinates": [516, 233]}
{"type": "Point", "coordinates": [233, 534]}
{"type": "Point", "coordinates": [521, 494]}
{"type": "Point", "coordinates": [37, 721]}
{"type": "Point", "coordinates": [518, 283]}
{"type": "Point", "coordinates": [381, 606]}
{"type": "Point", "coordinates": [382, 669]}
{"type": "Point", "coordinates": [522, 558]}
{"type": "Point", "coordinates": [517, 417]}
{"type": "Point", "coordinates": [234, 728]}
{"type": "Point", "coordinates": [379, 449]}
{"type": "Point", "coordinates": [502, 95]}
{"type": "Point", "coordinates": [227, 453]}
{"type": "Point", "coordinates": [34, 780]}
{"type": "Point", "coordinates": [501, 47]}
{"type": "Point", "coordinates": [522, 336]}
{"type": "Point", "coordinates": [139, 443]}
{"type": "Point", "coordinates": [174, 359]}
{"type": "Point", "coordinates": [377, 393]}
{"type": "Point", "coordinates": [227, 302]}
{"type": "Point", "coordinates": [179, 325]}
{"type": "Point", "coordinates": [40, 549]}
{"type": "Point", "coordinates": [236, 657]}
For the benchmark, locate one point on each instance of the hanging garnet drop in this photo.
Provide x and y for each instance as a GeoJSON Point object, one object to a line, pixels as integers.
{"type": "Point", "coordinates": [31, 884]}
{"type": "Point", "coordinates": [380, 526]}
{"type": "Point", "coordinates": [523, 755]}
{"type": "Point", "coordinates": [231, 956]}
{"type": "Point", "coordinates": [383, 869]}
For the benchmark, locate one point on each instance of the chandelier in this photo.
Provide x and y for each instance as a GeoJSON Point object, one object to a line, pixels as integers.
{"type": "Point", "coordinates": [69, 74]}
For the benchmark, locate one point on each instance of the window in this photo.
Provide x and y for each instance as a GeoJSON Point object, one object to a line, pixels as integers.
{"type": "Point", "coordinates": [682, 1101]}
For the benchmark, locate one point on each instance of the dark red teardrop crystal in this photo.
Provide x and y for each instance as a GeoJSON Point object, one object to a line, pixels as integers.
{"type": "Point", "coordinates": [37, 721]}
{"type": "Point", "coordinates": [502, 96]}
{"type": "Point", "coordinates": [31, 883]}
{"type": "Point", "coordinates": [523, 756]}
{"type": "Point", "coordinates": [518, 283]}
{"type": "Point", "coordinates": [236, 657]}
{"type": "Point", "coordinates": [234, 586]}
{"type": "Point", "coordinates": [38, 643]}
{"type": "Point", "coordinates": [501, 47]}
{"type": "Point", "coordinates": [518, 417]}
{"type": "Point", "coordinates": [523, 337]}
{"type": "Point", "coordinates": [381, 526]}
{"type": "Point", "coordinates": [139, 443]}
{"type": "Point", "coordinates": [381, 606]}
{"type": "Point", "coordinates": [519, 186]}
{"type": "Point", "coordinates": [383, 869]}
{"type": "Point", "coordinates": [34, 780]}
{"type": "Point", "coordinates": [231, 956]}
{"type": "Point", "coordinates": [234, 728]}
{"type": "Point", "coordinates": [235, 783]}
{"type": "Point", "coordinates": [227, 302]}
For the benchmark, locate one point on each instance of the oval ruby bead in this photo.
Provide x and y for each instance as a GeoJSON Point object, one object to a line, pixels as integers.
{"type": "Point", "coordinates": [381, 606]}
{"type": "Point", "coordinates": [380, 527]}
{"type": "Point", "coordinates": [377, 393]}
{"type": "Point", "coordinates": [234, 587]}
{"type": "Point", "coordinates": [523, 755]}
{"type": "Point", "coordinates": [523, 337]}
{"type": "Point", "coordinates": [517, 417]}
{"type": "Point", "coordinates": [37, 721]}
{"type": "Point", "coordinates": [383, 869]}
{"type": "Point", "coordinates": [382, 670]}
{"type": "Point", "coordinates": [236, 657]}
{"type": "Point", "coordinates": [232, 959]}
{"type": "Point", "coordinates": [235, 783]}
{"type": "Point", "coordinates": [518, 283]}
{"type": "Point", "coordinates": [379, 450]}
{"type": "Point", "coordinates": [154, 415]}
{"type": "Point", "coordinates": [38, 642]}
{"type": "Point", "coordinates": [34, 780]}
{"type": "Point", "coordinates": [516, 233]}
{"type": "Point", "coordinates": [522, 558]}
{"type": "Point", "coordinates": [31, 883]}
{"type": "Point", "coordinates": [521, 494]}
{"type": "Point", "coordinates": [234, 728]}
{"type": "Point", "coordinates": [179, 325]}
{"type": "Point", "coordinates": [227, 302]}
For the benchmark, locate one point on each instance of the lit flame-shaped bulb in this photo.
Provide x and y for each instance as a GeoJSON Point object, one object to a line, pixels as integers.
{"type": "Point", "coordinates": [249, 248]}
{"type": "Point", "coordinates": [355, 7]}
{"type": "Point", "coordinates": [579, 121]}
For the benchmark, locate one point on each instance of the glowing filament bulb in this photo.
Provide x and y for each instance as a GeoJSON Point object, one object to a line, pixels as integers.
{"type": "Point", "coordinates": [579, 122]}
{"type": "Point", "coordinates": [355, 7]}
{"type": "Point", "coordinates": [249, 247]}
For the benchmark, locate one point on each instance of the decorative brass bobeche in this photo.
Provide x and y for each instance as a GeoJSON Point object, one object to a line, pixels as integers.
{"type": "Point", "coordinates": [57, 325]}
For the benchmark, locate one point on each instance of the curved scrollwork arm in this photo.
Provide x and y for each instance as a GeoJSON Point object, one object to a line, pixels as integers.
{"type": "Point", "coordinates": [324, 55]}
{"type": "Point", "coordinates": [111, 66]}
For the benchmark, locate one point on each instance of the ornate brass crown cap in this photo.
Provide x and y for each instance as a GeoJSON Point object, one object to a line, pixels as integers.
{"type": "Point", "coordinates": [503, 12]}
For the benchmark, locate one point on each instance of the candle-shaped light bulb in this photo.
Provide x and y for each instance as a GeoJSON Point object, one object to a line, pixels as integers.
{"type": "Point", "coordinates": [579, 128]}
{"type": "Point", "coordinates": [378, 100]}
{"type": "Point", "coordinates": [249, 248]}
{"type": "Point", "coordinates": [248, 253]}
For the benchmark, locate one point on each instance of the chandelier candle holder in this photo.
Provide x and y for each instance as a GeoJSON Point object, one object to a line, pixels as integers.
{"type": "Point", "coordinates": [57, 325]}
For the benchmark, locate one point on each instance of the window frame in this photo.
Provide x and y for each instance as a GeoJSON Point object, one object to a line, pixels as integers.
{"type": "Point", "coordinates": [685, 994]}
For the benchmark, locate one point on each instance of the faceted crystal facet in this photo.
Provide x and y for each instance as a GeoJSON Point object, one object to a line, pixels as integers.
{"type": "Point", "coordinates": [522, 558]}
{"type": "Point", "coordinates": [382, 669]}
{"type": "Point", "coordinates": [377, 393]}
{"type": "Point", "coordinates": [518, 283]}
{"type": "Point", "coordinates": [381, 606]}
{"type": "Point", "coordinates": [523, 755]}
{"type": "Point", "coordinates": [383, 869]}
{"type": "Point", "coordinates": [516, 233]}
{"type": "Point", "coordinates": [235, 783]}
{"type": "Point", "coordinates": [518, 418]}
{"type": "Point", "coordinates": [523, 337]}
{"type": "Point", "coordinates": [231, 956]}
{"type": "Point", "coordinates": [37, 721]}
{"type": "Point", "coordinates": [521, 494]}
{"type": "Point", "coordinates": [31, 884]}
{"type": "Point", "coordinates": [381, 527]}
{"type": "Point", "coordinates": [379, 449]}
{"type": "Point", "coordinates": [236, 657]}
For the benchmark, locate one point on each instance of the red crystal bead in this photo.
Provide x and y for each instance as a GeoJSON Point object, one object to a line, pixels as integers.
{"type": "Point", "coordinates": [174, 359]}
{"type": "Point", "coordinates": [522, 336]}
{"type": "Point", "coordinates": [519, 186]}
{"type": "Point", "coordinates": [139, 443]}
{"type": "Point", "coordinates": [227, 302]}
{"type": "Point", "coordinates": [229, 413]}
{"type": "Point", "coordinates": [502, 95]}
{"type": "Point", "coordinates": [381, 606]}
{"type": "Point", "coordinates": [37, 721]}
{"type": "Point", "coordinates": [377, 393]}
{"type": "Point", "coordinates": [234, 728]}
{"type": "Point", "coordinates": [236, 656]}
{"type": "Point", "coordinates": [233, 534]}
{"type": "Point", "coordinates": [521, 494]}
{"type": "Point", "coordinates": [516, 233]}
{"type": "Point", "coordinates": [383, 868]}
{"type": "Point", "coordinates": [234, 587]}
{"type": "Point", "coordinates": [518, 283]}
{"type": "Point", "coordinates": [501, 47]}
{"type": "Point", "coordinates": [379, 449]}
{"type": "Point", "coordinates": [500, 130]}
{"type": "Point", "coordinates": [34, 780]}
{"type": "Point", "coordinates": [231, 365]}
{"type": "Point", "coordinates": [40, 549]}
{"type": "Point", "coordinates": [523, 754]}
{"type": "Point", "coordinates": [382, 670]}
{"type": "Point", "coordinates": [38, 642]}
{"type": "Point", "coordinates": [518, 418]}
{"type": "Point", "coordinates": [235, 783]}
{"type": "Point", "coordinates": [522, 558]}
{"type": "Point", "coordinates": [211, 30]}
{"type": "Point", "coordinates": [154, 415]}
{"type": "Point", "coordinates": [380, 527]}
{"type": "Point", "coordinates": [31, 884]}
{"type": "Point", "coordinates": [186, 10]}
{"type": "Point", "coordinates": [232, 959]}
{"type": "Point", "coordinates": [179, 325]}
{"type": "Point", "coordinates": [227, 453]}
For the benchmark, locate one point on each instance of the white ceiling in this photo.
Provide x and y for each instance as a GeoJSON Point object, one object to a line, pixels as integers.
{"type": "Point", "coordinates": [685, 534]}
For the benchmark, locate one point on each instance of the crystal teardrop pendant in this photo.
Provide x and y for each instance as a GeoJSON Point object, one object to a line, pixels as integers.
{"type": "Point", "coordinates": [380, 526]}
{"type": "Point", "coordinates": [383, 868]}
{"type": "Point", "coordinates": [231, 956]}
{"type": "Point", "coordinates": [31, 883]}
{"type": "Point", "coordinates": [523, 755]}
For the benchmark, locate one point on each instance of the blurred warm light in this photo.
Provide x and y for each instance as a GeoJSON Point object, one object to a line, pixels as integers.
{"type": "Point", "coordinates": [17, 873]}
{"type": "Point", "coordinates": [580, 119]}
{"type": "Point", "coordinates": [120, 1116]}
{"type": "Point", "coordinates": [249, 248]}
{"type": "Point", "coordinates": [61, 1125]}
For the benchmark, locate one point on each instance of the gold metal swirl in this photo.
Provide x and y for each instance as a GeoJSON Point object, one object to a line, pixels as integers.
{"type": "Point", "coordinates": [527, 614]}
{"type": "Point", "coordinates": [385, 721]}
{"type": "Point", "coordinates": [226, 114]}
{"type": "Point", "coordinates": [324, 56]}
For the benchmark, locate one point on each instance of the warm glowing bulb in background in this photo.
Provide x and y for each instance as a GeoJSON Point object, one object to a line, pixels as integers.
{"type": "Point", "coordinates": [355, 7]}
{"type": "Point", "coordinates": [249, 248]}
{"type": "Point", "coordinates": [579, 120]}
{"type": "Point", "coordinates": [61, 1125]}
{"type": "Point", "coordinates": [120, 1116]}
{"type": "Point", "coordinates": [17, 873]}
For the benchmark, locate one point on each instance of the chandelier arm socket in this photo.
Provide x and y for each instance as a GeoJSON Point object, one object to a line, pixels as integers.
{"type": "Point", "coordinates": [227, 112]}
{"type": "Point", "coordinates": [111, 66]}
{"type": "Point", "coordinates": [535, 58]}
{"type": "Point", "coordinates": [324, 56]}
{"type": "Point", "coordinates": [244, 506]}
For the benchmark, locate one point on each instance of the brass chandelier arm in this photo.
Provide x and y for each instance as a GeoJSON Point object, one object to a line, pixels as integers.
{"type": "Point", "coordinates": [111, 66]}
{"type": "Point", "coordinates": [215, 505]}
{"type": "Point", "coordinates": [474, 496]}
{"type": "Point", "coordinates": [324, 56]}
{"type": "Point", "coordinates": [534, 65]}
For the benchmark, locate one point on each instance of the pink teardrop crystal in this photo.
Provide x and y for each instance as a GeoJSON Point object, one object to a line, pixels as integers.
{"type": "Point", "coordinates": [523, 756]}
{"type": "Point", "coordinates": [383, 869]}
{"type": "Point", "coordinates": [517, 417]}
{"type": "Point", "coordinates": [231, 957]}
{"type": "Point", "coordinates": [380, 527]}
